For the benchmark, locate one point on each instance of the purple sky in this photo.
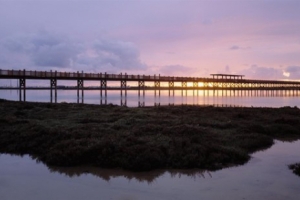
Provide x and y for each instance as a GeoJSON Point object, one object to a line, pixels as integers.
{"type": "Point", "coordinates": [257, 38]}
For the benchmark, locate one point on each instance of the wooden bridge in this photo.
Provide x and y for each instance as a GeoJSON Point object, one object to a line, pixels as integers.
{"type": "Point", "coordinates": [216, 82]}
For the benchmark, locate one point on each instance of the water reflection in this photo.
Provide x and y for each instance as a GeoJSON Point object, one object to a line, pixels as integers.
{"type": "Point", "coordinates": [265, 177]}
{"type": "Point", "coordinates": [201, 97]}
{"type": "Point", "coordinates": [149, 176]}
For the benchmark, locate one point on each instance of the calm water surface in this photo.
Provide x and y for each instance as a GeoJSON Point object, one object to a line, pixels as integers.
{"type": "Point", "coordinates": [219, 98]}
{"type": "Point", "coordinates": [266, 177]}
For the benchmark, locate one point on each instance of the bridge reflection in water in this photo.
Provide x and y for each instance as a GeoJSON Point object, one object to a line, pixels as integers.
{"type": "Point", "coordinates": [221, 85]}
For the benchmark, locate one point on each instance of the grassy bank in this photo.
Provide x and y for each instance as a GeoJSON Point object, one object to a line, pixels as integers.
{"type": "Point", "coordinates": [142, 139]}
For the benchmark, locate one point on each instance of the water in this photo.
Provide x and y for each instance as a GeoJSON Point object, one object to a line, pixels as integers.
{"type": "Point", "coordinates": [266, 176]}
{"type": "Point", "coordinates": [219, 98]}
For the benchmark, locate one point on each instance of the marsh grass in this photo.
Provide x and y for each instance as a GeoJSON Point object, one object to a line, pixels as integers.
{"type": "Point", "coordinates": [142, 139]}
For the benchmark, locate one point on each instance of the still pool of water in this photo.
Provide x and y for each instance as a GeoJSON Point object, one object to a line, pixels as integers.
{"type": "Point", "coordinates": [266, 176]}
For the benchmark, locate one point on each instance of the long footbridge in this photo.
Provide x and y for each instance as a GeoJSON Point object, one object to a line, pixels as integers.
{"type": "Point", "coordinates": [142, 83]}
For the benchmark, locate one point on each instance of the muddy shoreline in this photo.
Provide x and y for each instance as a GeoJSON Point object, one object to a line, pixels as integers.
{"type": "Point", "coordinates": [142, 139]}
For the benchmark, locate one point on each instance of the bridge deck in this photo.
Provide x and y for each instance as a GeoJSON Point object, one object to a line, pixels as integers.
{"type": "Point", "coordinates": [22, 74]}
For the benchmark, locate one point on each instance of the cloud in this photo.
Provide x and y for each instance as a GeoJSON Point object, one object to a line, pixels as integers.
{"type": "Point", "coordinates": [54, 56]}
{"type": "Point", "coordinates": [52, 51]}
{"type": "Point", "coordinates": [225, 70]}
{"type": "Point", "coordinates": [175, 70]}
{"type": "Point", "coordinates": [38, 50]}
{"type": "Point", "coordinates": [257, 72]}
{"type": "Point", "coordinates": [234, 47]}
{"type": "Point", "coordinates": [112, 54]}
{"type": "Point", "coordinates": [293, 69]}
{"type": "Point", "coordinates": [286, 74]}
{"type": "Point", "coordinates": [293, 72]}
{"type": "Point", "coordinates": [271, 73]}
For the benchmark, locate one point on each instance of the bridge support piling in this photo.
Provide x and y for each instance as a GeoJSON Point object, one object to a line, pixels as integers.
{"type": "Point", "coordinates": [22, 89]}
{"type": "Point", "coordinates": [53, 86]}
{"type": "Point", "coordinates": [103, 85]}
{"type": "Point", "coordinates": [80, 87]}
{"type": "Point", "coordinates": [195, 84]}
{"type": "Point", "coordinates": [156, 87]}
{"type": "Point", "coordinates": [141, 86]}
{"type": "Point", "coordinates": [123, 102]}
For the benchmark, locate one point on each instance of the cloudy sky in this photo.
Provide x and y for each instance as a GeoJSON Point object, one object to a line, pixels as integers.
{"type": "Point", "coordinates": [257, 38]}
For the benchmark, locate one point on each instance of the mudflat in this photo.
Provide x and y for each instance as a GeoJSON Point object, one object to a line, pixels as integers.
{"type": "Point", "coordinates": [141, 139]}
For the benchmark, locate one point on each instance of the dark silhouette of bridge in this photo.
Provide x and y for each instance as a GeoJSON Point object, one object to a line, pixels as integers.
{"type": "Point", "coordinates": [144, 82]}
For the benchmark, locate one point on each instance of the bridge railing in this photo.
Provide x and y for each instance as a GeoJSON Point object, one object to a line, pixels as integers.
{"type": "Point", "coordinates": [47, 74]}
{"type": "Point", "coordinates": [75, 75]}
{"type": "Point", "coordinates": [56, 74]}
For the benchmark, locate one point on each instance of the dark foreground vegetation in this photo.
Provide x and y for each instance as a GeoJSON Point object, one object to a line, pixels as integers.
{"type": "Point", "coordinates": [142, 139]}
{"type": "Point", "coordinates": [295, 168]}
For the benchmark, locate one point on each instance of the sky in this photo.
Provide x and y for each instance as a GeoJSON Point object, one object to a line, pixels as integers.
{"type": "Point", "coordinates": [256, 38]}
